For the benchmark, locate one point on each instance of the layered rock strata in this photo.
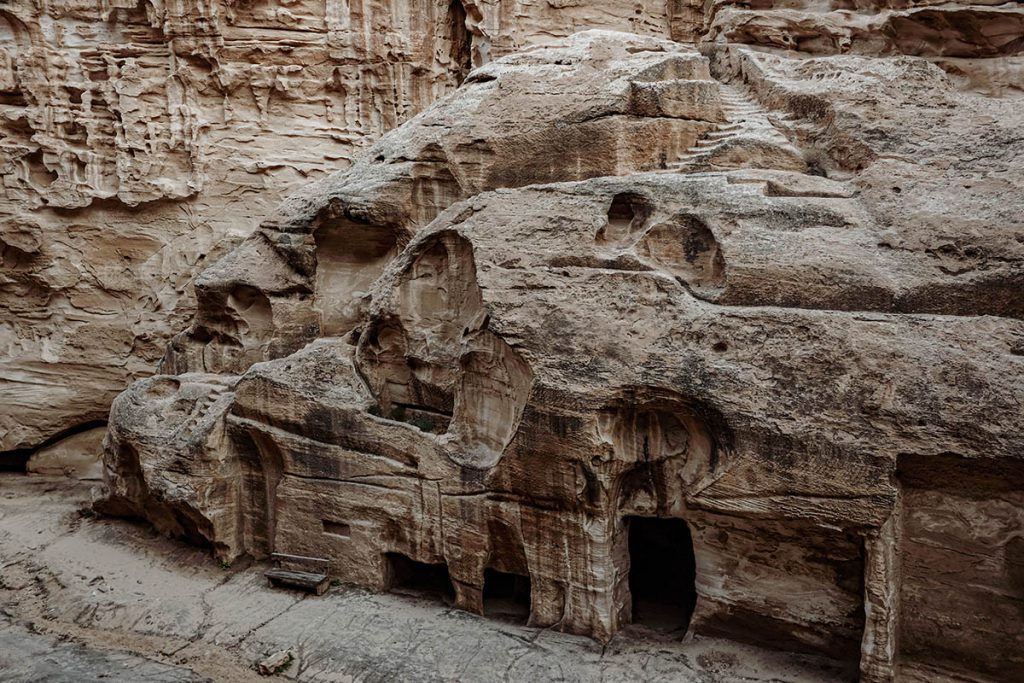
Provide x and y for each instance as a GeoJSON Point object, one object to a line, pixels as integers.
{"type": "Point", "coordinates": [634, 333]}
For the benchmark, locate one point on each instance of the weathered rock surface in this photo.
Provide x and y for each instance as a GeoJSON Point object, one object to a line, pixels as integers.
{"type": "Point", "coordinates": [32, 657]}
{"type": "Point", "coordinates": [77, 455]}
{"type": "Point", "coordinates": [728, 341]}
{"type": "Point", "coordinates": [141, 141]}
{"type": "Point", "coordinates": [613, 105]}
{"type": "Point", "coordinates": [101, 599]}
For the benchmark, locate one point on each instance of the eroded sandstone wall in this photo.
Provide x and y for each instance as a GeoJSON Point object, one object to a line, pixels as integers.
{"type": "Point", "coordinates": [620, 304]}
{"type": "Point", "coordinates": [142, 140]}
{"type": "Point", "coordinates": [762, 299]}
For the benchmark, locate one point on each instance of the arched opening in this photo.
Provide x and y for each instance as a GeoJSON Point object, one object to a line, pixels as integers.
{"type": "Point", "coordinates": [662, 573]}
{"type": "Point", "coordinates": [687, 248]}
{"type": "Point", "coordinates": [419, 579]}
{"type": "Point", "coordinates": [263, 468]}
{"type": "Point", "coordinates": [435, 362]}
{"type": "Point", "coordinates": [621, 212]}
{"type": "Point", "coordinates": [506, 596]}
{"type": "Point", "coordinates": [492, 395]}
{"type": "Point", "coordinates": [255, 314]}
{"type": "Point", "coordinates": [38, 172]}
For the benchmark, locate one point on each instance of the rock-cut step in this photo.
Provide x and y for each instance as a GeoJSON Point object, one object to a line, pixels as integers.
{"type": "Point", "coordinates": [747, 125]}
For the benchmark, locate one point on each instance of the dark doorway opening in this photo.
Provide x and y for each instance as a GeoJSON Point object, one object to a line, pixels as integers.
{"type": "Point", "coordinates": [16, 460]}
{"type": "Point", "coordinates": [409, 577]}
{"type": "Point", "coordinates": [506, 596]}
{"type": "Point", "coordinates": [662, 573]}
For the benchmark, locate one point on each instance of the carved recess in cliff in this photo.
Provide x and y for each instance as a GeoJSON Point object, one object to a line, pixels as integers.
{"type": "Point", "coordinates": [432, 358]}
{"type": "Point", "coordinates": [350, 257]}
{"type": "Point", "coordinates": [682, 245]}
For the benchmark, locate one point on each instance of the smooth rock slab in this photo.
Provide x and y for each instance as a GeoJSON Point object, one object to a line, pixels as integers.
{"type": "Point", "coordinates": [26, 656]}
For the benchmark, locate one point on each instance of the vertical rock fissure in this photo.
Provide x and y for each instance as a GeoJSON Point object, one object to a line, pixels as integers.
{"type": "Point", "coordinates": [460, 47]}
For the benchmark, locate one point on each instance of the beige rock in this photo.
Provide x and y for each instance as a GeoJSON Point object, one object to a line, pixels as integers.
{"type": "Point", "coordinates": [723, 336]}
{"type": "Point", "coordinates": [140, 144]}
{"type": "Point", "coordinates": [141, 141]}
{"type": "Point", "coordinates": [547, 114]}
{"type": "Point", "coordinates": [755, 372]}
{"type": "Point", "coordinates": [275, 663]}
{"type": "Point", "coordinates": [961, 28]}
{"type": "Point", "coordinates": [78, 455]}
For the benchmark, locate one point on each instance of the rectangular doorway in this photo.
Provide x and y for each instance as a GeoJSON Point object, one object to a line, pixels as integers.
{"type": "Point", "coordinates": [662, 573]}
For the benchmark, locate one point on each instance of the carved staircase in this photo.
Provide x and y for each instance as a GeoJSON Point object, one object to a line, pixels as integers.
{"type": "Point", "coordinates": [746, 122]}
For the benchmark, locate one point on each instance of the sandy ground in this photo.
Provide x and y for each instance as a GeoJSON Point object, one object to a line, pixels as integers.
{"type": "Point", "coordinates": [84, 599]}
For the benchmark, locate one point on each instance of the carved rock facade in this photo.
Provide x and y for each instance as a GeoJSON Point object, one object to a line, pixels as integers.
{"type": "Point", "coordinates": [633, 331]}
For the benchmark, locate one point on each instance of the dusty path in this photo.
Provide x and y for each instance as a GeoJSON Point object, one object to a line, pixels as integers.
{"type": "Point", "coordinates": [86, 599]}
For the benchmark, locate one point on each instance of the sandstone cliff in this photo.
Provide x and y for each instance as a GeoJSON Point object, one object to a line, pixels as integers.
{"type": "Point", "coordinates": [140, 141]}
{"type": "Point", "coordinates": [728, 306]}
{"type": "Point", "coordinates": [618, 305]}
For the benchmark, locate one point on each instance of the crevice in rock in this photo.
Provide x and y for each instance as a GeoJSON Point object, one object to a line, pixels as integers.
{"type": "Point", "coordinates": [460, 41]}
{"type": "Point", "coordinates": [16, 459]}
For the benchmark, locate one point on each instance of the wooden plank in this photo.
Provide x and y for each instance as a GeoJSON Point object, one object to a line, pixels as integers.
{"type": "Point", "coordinates": [289, 575]}
{"type": "Point", "coordinates": [300, 558]}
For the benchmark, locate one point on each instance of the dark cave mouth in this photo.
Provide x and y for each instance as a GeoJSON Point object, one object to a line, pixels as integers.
{"type": "Point", "coordinates": [419, 579]}
{"type": "Point", "coordinates": [662, 574]}
{"type": "Point", "coordinates": [506, 596]}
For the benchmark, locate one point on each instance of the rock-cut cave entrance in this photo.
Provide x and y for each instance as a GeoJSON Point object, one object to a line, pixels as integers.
{"type": "Point", "coordinates": [662, 573]}
{"type": "Point", "coordinates": [419, 579]}
{"type": "Point", "coordinates": [506, 596]}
